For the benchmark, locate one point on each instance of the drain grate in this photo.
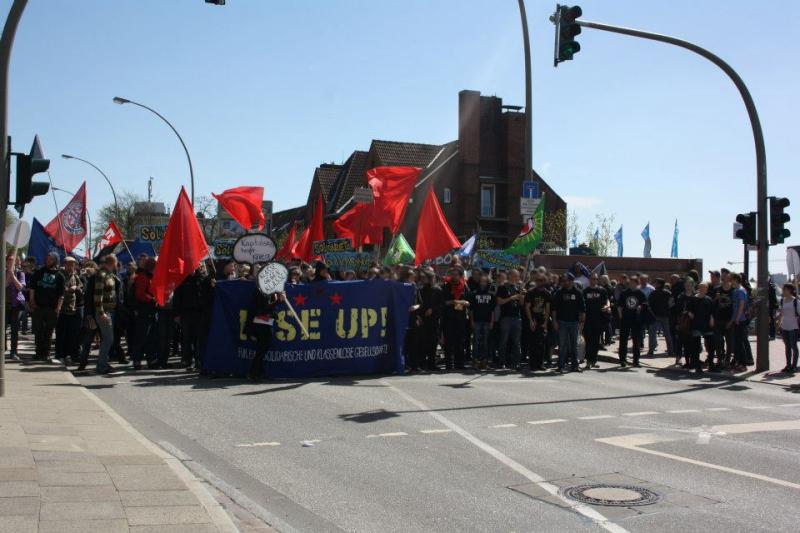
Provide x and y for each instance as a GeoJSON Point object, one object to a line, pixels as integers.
{"type": "Point", "coordinates": [611, 495]}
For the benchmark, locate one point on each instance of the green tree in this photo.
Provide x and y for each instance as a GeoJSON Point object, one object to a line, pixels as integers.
{"type": "Point", "coordinates": [603, 224]}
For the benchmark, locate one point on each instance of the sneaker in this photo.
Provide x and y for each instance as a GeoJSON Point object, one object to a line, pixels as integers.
{"type": "Point", "coordinates": [623, 364]}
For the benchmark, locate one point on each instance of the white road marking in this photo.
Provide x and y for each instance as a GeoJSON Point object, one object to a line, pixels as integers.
{"type": "Point", "coordinates": [500, 426]}
{"type": "Point", "coordinates": [393, 434]}
{"type": "Point", "coordinates": [789, 405]}
{"type": "Point", "coordinates": [310, 441]}
{"type": "Point", "coordinates": [681, 411]}
{"type": "Point", "coordinates": [718, 409]}
{"type": "Point", "coordinates": [595, 417]}
{"type": "Point", "coordinates": [433, 431]}
{"type": "Point", "coordinates": [641, 413]}
{"type": "Point", "coordinates": [636, 441]}
{"type": "Point", "coordinates": [257, 444]}
{"type": "Point", "coordinates": [550, 421]}
{"type": "Point", "coordinates": [759, 407]}
{"type": "Point", "coordinates": [580, 508]}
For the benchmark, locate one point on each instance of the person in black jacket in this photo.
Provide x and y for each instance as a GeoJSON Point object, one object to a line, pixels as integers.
{"type": "Point", "coordinates": [260, 320]}
{"type": "Point", "coordinates": [431, 303]}
{"type": "Point", "coordinates": [629, 308]}
{"type": "Point", "coordinates": [455, 294]}
{"type": "Point", "coordinates": [537, 311]}
{"type": "Point", "coordinates": [659, 302]}
{"type": "Point", "coordinates": [597, 308]}
{"type": "Point", "coordinates": [187, 304]}
{"type": "Point", "coordinates": [700, 309]}
{"type": "Point", "coordinates": [413, 339]}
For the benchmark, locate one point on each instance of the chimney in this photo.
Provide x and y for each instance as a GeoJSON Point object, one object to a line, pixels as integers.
{"type": "Point", "coordinates": [469, 127]}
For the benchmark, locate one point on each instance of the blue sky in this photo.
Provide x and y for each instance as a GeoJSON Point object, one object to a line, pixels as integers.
{"type": "Point", "coordinates": [263, 91]}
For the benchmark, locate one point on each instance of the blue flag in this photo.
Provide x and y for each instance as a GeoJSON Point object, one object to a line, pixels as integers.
{"type": "Point", "coordinates": [468, 248]}
{"type": "Point", "coordinates": [41, 244]}
{"type": "Point", "coordinates": [647, 243]}
{"type": "Point", "coordinates": [674, 251]}
{"type": "Point", "coordinates": [618, 238]}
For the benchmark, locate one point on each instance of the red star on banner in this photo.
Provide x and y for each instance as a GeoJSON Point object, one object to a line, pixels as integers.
{"type": "Point", "coordinates": [336, 299]}
{"type": "Point", "coordinates": [299, 300]}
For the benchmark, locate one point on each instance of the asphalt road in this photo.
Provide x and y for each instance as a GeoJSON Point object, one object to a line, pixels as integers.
{"type": "Point", "coordinates": [481, 452]}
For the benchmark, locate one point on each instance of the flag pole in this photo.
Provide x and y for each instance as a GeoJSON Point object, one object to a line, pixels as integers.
{"type": "Point", "coordinates": [297, 318]}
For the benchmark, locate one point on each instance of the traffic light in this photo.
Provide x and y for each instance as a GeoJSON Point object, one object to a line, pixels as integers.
{"type": "Point", "coordinates": [566, 30]}
{"type": "Point", "coordinates": [748, 230]}
{"type": "Point", "coordinates": [777, 220]}
{"type": "Point", "coordinates": [27, 167]}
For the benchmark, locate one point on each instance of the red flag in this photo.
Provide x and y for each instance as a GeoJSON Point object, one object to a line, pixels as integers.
{"type": "Point", "coordinates": [356, 224]}
{"type": "Point", "coordinates": [288, 247]}
{"type": "Point", "coordinates": [181, 252]}
{"type": "Point", "coordinates": [391, 188]}
{"type": "Point", "coordinates": [434, 236]}
{"type": "Point", "coordinates": [69, 226]}
{"type": "Point", "coordinates": [110, 237]}
{"type": "Point", "coordinates": [314, 232]}
{"type": "Point", "coordinates": [244, 205]}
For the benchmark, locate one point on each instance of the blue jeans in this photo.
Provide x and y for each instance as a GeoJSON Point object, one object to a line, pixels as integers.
{"type": "Point", "coordinates": [567, 344]}
{"type": "Point", "coordinates": [106, 340]}
{"type": "Point", "coordinates": [510, 333]}
{"type": "Point", "coordinates": [480, 341]}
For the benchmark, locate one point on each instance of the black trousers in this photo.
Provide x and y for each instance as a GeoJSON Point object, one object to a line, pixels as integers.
{"type": "Point", "coordinates": [44, 322]}
{"type": "Point", "coordinates": [412, 346]}
{"type": "Point", "coordinates": [592, 333]}
{"type": "Point", "coordinates": [537, 343]}
{"type": "Point", "coordinates": [429, 341]}
{"type": "Point", "coordinates": [630, 329]}
{"type": "Point", "coordinates": [145, 340]}
{"type": "Point", "coordinates": [692, 348]}
{"type": "Point", "coordinates": [454, 338]}
{"type": "Point", "coordinates": [190, 333]}
{"type": "Point", "coordinates": [13, 321]}
{"type": "Point", "coordinates": [263, 336]}
{"type": "Point", "coordinates": [68, 335]}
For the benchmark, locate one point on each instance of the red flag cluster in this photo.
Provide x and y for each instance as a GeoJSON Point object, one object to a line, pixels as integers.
{"type": "Point", "coordinates": [304, 248]}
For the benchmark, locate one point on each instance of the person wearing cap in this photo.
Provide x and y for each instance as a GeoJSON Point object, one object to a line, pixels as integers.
{"type": "Point", "coordinates": [105, 306]}
{"type": "Point", "coordinates": [569, 315]}
{"type": "Point", "coordinates": [68, 326]}
{"type": "Point", "coordinates": [47, 296]}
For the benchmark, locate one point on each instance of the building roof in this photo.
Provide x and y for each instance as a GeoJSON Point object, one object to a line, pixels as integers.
{"type": "Point", "coordinates": [392, 153]}
{"type": "Point", "coordinates": [326, 174]}
{"type": "Point", "coordinates": [351, 175]}
{"type": "Point", "coordinates": [282, 220]}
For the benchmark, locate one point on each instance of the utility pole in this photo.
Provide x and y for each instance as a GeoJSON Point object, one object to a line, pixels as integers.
{"type": "Point", "coordinates": [762, 279]}
{"type": "Point", "coordinates": [6, 43]}
{"type": "Point", "coordinates": [528, 174]}
{"type": "Point", "coordinates": [150, 190]}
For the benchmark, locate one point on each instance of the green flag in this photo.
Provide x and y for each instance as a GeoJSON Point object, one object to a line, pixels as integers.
{"type": "Point", "coordinates": [528, 242]}
{"type": "Point", "coordinates": [399, 251]}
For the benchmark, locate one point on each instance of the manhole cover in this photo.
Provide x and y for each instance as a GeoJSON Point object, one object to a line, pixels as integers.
{"type": "Point", "coordinates": [614, 495]}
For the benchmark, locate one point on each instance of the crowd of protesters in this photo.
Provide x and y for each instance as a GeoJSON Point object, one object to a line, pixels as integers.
{"type": "Point", "coordinates": [510, 320]}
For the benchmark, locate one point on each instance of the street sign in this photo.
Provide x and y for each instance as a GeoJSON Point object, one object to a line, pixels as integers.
{"type": "Point", "coordinates": [363, 195]}
{"type": "Point", "coordinates": [527, 206]}
{"type": "Point", "coordinates": [530, 189]}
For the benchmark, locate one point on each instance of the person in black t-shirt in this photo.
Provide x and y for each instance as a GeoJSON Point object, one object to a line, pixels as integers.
{"type": "Point", "coordinates": [47, 294]}
{"type": "Point", "coordinates": [597, 309]}
{"type": "Point", "coordinates": [510, 299]}
{"type": "Point", "coordinates": [569, 313]}
{"type": "Point", "coordinates": [629, 308]}
{"type": "Point", "coordinates": [454, 319]}
{"type": "Point", "coordinates": [537, 311]}
{"type": "Point", "coordinates": [659, 302]}
{"type": "Point", "coordinates": [482, 304]}
{"type": "Point", "coordinates": [723, 335]}
{"type": "Point", "coordinates": [431, 303]}
{"type": "Point", "coordinates": [700, 309]}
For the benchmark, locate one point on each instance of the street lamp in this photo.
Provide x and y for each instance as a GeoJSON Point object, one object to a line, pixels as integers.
{"type": "Point", "coordinates": [119, 100]}
{"type": "Point", "coordinates": [113, 192]}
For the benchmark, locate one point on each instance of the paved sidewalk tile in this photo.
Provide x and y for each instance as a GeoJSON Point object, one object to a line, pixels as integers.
{"type": "Point", "coordinates": [68, 466]}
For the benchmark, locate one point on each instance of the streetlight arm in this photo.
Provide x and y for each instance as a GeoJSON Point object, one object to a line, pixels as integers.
{"type": "Point", "coordinates": [113, 192]}
{"type": "Point", "coordinates": [168, 123]}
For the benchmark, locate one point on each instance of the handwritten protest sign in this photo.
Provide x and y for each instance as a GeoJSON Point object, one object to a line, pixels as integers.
{"type": "Point", "coordinates": [272, 278]}
{"type": "Point", "coordinates": [332, 246]}
{"type": "Point", "coordinates": [254, 248]}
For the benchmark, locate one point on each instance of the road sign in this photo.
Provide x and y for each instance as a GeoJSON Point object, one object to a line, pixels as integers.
{"type": "Point", "coordinates": [527, 206]}
{"type": "Point", "coordinates": [530, 189]}
{"type": "Point", "coordinates": [363, 195]}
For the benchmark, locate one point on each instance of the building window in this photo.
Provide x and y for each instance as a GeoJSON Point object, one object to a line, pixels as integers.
{"type": "Point", "coordinates": [447, 196]}
{"type": "Point", "coordinates": [487, 201]}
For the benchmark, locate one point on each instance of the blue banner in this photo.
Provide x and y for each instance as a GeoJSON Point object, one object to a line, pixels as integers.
{"type": "Point", "coordinates": [354, 327]}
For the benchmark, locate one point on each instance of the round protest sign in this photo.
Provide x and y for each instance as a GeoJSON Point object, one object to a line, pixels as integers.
{"type": "Point", "coordinates": [272, 278]}
{"type": "Point", "coordinates": [254, 248]}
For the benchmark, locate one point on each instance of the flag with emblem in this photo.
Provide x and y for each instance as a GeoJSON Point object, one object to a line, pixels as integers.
{"type": "Point", "coordinates": [68, 229]}
{"type": "Point", "coordinates": [528, 242]}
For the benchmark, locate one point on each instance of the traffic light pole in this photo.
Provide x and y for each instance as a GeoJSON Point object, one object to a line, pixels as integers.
{"type": "Point", "coordinates": [528, 175]}
{"type": "Point", "coordinates": [6, 43]}
{"type": "Point", "coordinates": [762, 332]}
{"type": "Point", "coordinates": [746, 269]}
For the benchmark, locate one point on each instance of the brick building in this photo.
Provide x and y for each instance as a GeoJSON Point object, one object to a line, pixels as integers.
{"type": "Point", "coordinates": [478, 178]}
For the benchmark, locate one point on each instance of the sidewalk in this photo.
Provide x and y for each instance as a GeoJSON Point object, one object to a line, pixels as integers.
{"type": "Point", "coordinates": [773, 376]}
{"type": "Point", "coordinates": [69, 464]}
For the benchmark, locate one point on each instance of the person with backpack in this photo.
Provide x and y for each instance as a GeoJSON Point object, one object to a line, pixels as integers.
{"type": "Point", "coordinates": [789, 319]}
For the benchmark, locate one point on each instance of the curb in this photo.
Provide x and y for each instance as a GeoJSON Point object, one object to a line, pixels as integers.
{"type": "Point", "coordinates": [219, 517]}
